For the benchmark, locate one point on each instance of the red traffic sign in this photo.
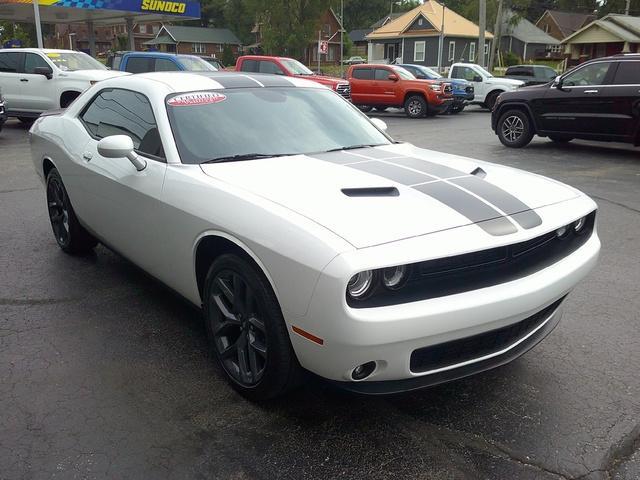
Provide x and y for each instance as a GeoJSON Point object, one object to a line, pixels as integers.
{"type": "Point", "coordinates": [324, 48]}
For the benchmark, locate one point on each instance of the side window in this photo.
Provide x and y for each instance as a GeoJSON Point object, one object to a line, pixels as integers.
{"type": "Point", "coordinates": [139, 65]}
{"type": "Point", "coordinates": [123, 112]}
{"type": "Point", "coordinates": [466, 73]}
{"type": "Point", "coordinates": [266, 66]}
{"type": "Point", "coordinates": [9, 61]}
{"type": "Point", "coordinates": [165, 65]}
{"type": "Point", "coordinates": [249, 66]}
{"type": "Point", "coordinates": [382, 74]}
{"type": "Point", "coordinates": [593, 74]}
{"type": "Point", "coordinates": [456, 72]}
{"type": "Point", "coordinates": [33, 61]}
{"type": "Point", "coordinates": [628, 74]}
{"type": "Point", "coordinates": [363, 73]}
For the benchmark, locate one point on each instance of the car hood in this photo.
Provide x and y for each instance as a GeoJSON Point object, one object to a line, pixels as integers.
{"type": "Point", "coordinates": [324, 80]}
{"type": "Point", "coordinates": [95, 75]}
{"type": "Point", "coordinates": [366, 196]}
{"type": "Point", "coordinates": [504, 81]}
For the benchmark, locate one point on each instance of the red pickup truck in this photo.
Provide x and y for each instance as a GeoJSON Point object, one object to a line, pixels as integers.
{"type": "Point", "coordinates": [290, 68]}
{"type": "Point", "coordinates": [382, 86]}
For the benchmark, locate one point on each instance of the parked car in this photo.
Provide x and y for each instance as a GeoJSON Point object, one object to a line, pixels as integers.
{"type": "Point", "coordinates": [309, 238]}
{"type": "Point", "coordinates": [531, 74]}
{"type": "Point", "coordinates": [142, 62]}
{"type": "Point", "coordinates": [213, 61]}
{"type": "Point", "coordinates": [289, 67]}
{"type": "Point", "coordinates": [354, 61]}
{"type": "Point", "coordinates": [597, 100]}
{"type": "Point", "coordinates": [3, 112]}
{"type": "Point", "coordinates": [35, 80]}
{"type": "Point", "coordinates": [486, 87]}
{"type": "Point", "coordinates": [461, 90]}
{"type": "Point", "coordinates": [383, 86]}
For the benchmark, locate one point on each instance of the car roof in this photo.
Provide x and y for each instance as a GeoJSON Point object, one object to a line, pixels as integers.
{"type": "Point", "coordinates": [192, 81]}
{"type": "Point", "coordinates": [43, 50]}
{"type": "Point", "coordinates": [160, 54]}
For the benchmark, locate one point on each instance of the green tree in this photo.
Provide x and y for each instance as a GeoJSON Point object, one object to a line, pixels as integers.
{"type": "Point", "coordinates": [18, 31]}
{"type": "Point", "coordinates": [227, 56]}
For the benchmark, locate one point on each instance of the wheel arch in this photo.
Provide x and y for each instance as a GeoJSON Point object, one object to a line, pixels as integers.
{"type": "Point", "coordinates": [414, 92]}
{"type": "Point", "coordinates": [503, 107]}
{"type": "Point", "coordinates": [212, 244]}
{"type": "Point", "coordinates": [47, 166]}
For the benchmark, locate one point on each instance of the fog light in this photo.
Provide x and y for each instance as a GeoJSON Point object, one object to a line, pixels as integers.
{"type": "Point", "coordinates": [363, 371]}
{"type": "Point", "coordinates": [360, 283]}
{"type": "Point", "coordinates": [562, 232]}
{"type": "Point", "coordinates": [579, 224]}
{"type": "Point", "coordinates": [394, 277]}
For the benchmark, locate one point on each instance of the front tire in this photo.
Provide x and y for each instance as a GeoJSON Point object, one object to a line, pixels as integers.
{"type": "Point", "coordinates": [365, 108]}
{"type": "Point", "coordinates": [246, 330]}
{"type": "Point", "coordinates": [514, 129]}
{"type": "Point", "coordinates": [70, 235]}
{"type": "Point", "coordinates": [415, 106]}
{"type": "Point", "coordinates": [490, 101]}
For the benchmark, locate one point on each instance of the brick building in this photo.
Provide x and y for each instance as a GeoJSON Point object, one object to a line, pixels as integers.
{"type": "Point", "coordinates": [194, 40]}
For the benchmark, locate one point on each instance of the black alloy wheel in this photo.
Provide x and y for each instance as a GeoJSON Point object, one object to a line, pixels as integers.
{"type": "Point", "coordinates": [514, 129]}
{"type": "Point", "coordinates": [239, 333]}
{"type": "Point", "coordinates": [246, 329]}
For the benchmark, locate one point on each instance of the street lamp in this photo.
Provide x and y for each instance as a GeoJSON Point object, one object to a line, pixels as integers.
{"type": "Point", "coordinates": [71, 34]}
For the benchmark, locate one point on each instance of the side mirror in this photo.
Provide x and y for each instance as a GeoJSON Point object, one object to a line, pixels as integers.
{"type": "Point", "coordinates": [421, 76]}
{"type": "Point", "coordinates": [393, 77]}
{"type": "Point", "coordinates": [477, 78]}
{"type": "Point", "coordinates": [120, 146]}
{"type": "Point", "coordinates": [380, 124]}
{"type": "Point", "coordinates": [46, 71]}
{"type": "Point", "coordinates": [557, 82]}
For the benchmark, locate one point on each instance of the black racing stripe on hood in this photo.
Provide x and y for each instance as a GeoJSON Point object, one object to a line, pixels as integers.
{"type": "Point", "coordinates": [428, 167]}
{"type": "Point", "coordinates": [371, 153]}
{"type": "Point", "coordinates": [500, 199]}
{"type": "Point", "coordinates": [466, 204]}
{"type": "Point", "coordinates": [339, 157]}
{"type": "Point", "coordinates": [273, 80]}
{"type": "Point", "coordinates": [236, 81]}
{"type": "Point", "coordinates": [393, 172]}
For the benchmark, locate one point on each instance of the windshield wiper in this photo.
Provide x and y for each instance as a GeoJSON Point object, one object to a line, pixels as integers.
{"type": "Point", "coordinates": [245, 156]}
{"type": "Point", "coordinates": [355, 147]}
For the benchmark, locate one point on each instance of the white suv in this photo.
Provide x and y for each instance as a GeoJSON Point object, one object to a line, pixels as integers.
{"type": "Point", "coordinates": [33, 80]}
{"type": "Point", "coordinates": [486, 86]}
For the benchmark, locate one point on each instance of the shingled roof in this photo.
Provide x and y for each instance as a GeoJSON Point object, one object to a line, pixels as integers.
{"type": "Point", "coordinates": [569, 22]}
{"type": "Point", "coordinates": [181, 34]}
{"type": "Point", "coordinates": [524, 30]}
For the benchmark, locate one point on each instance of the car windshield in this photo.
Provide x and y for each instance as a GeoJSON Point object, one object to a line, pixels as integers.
{"type": "Point", "coordinates": [403, 73]}
{"type": "Point", "coordinates": [295, 67]}
{"type": "Point", "coordinates": [72, 61]}
{"type": "Point", "coordinates": [196, 64]}
{"type": "Point", "coordinates": [230, 123]}
{"type": "Point", "coordinates": [480, 69]}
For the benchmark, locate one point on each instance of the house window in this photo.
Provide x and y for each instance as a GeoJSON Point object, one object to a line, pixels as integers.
{"type": "Point", "coordinates": [155, 28]}
{"type": "Point", "coordinates": [555, 48]}
{"type": "Point", "coordinates": [332, 52]}
{"type": "Point", "coordinates": [220, 47]}
{"type": "Point", "coordinates": [418, 51]}
{"type": "Point", "coordinates": [198, 48]}
{"type": "Point", "coordinates": [420, 21]}
{"type": "Point", "coordinates": [452, 51]}
{"type": "Point", "coordinates": [143, 28]}
{"type": "Point", "coordinates": [472, 51]}
{"type": "Point", "coordinates": [326, 30]}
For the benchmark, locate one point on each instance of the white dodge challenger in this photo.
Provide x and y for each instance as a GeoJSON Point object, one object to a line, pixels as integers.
{"type": "Point", "coordinates": [311, 240]}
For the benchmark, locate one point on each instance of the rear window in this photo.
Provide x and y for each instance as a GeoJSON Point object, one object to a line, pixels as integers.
{"type": "Point", "coordinates": [628, 74]}
{"type": "Point", "coordinates": [363, 73]}
{"type": "Point", "coordinates": [249, 66]}
{"type": "Point", "coordinates": [9, 61]}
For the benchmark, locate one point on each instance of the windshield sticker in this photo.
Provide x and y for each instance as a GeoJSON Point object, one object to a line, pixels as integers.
{"type": "Point", "coordinates": [53, 55]}
{"type": "Point", "coordinates": [196, 98]}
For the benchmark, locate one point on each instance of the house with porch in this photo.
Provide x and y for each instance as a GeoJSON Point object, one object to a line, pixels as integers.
{"type": "Point", "coordinates": [329, 30]}
{"type": "Point", "coordinates": [518, 35]}
{"type": "Point", "coordinates": [610, 35]}
{"type": "Point", "coordinates": [414, 37]}
{"type": "Point", "coordinates": [194, 40]}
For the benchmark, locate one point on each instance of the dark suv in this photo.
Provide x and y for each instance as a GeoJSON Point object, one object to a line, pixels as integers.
{"type": "Point", "coordinates": [531, 74]}
{"type": "Point", "coordinates": [597, 100]}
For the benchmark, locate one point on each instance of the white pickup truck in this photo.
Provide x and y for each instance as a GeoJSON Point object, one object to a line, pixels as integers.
{"type": "Point", "coordinates": [486, 86]}
{"type": "Point", "coordinates": [34, 80]}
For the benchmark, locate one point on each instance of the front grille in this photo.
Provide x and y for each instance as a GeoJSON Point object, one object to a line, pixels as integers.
{"type": "Point", "coordinates": [344, 89]}
{"type": "Point", "coordinates": [471, 271]}
{"type": "Point", "coordinates": [447, 88]}
{"type": "Point", "coordinates": [477, 346]}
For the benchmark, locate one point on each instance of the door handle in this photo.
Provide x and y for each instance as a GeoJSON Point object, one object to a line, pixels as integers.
{"type": "Point", "coordinates": [24, 79]}
{"type": "Point", "coordinates": [591, 91]}
{"type": "Point", "coordinates": [87, 156]}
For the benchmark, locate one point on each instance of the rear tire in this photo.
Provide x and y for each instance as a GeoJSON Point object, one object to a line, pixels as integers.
{"type": "Point", "coordinates": [70, 235]}
{"type": "Point", "coordinates": [246, 330]}
{"type": "Point", "coordinates": [415, 106]}
{"type": "Point", "coordinates": [560, 139]}
{"type": "Point", "coordinates": [456, 109]}
{"type": "Point", "coordinates": [365, 108]}
{"type": "Point", "coordinates": [490, 101]}
{"type": "Point", "coordinates": [514, 129]}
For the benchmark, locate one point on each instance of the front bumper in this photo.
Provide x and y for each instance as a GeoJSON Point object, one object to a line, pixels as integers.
{"type": "Point", "coordinates": [443, 106]}
{"type": "Point", "coordinates": [390, 335]}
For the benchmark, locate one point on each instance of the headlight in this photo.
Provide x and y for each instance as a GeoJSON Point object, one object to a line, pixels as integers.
{"type": "Point", "coordinates": [394, 277]}
{"type": "Point", "coordinates": [579, 224]}
{"type": "Point", "coordinates": [360, 284]}
{"type": "Point", "coordinates": [562, 232]}
{"type": "Point", "coordinates": [436, 87]}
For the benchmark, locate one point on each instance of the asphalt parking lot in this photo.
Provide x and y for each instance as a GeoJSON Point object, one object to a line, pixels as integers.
{"type": "Point", "coordinates": [105, 374]}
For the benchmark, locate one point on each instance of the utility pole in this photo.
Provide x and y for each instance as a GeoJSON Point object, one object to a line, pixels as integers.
{"type": "Point", "coordinates": [341, 37]}
{"type": "Point", "coordinates": [36, 17]}
{"type": "Point", "coordinates": [482, 25]}
{"type": "Point", "coordinates": [441, 41]}
{"type": "Point", "coordinates": [495, 46]}
{"type": "Point", "coordinates": [627, 8]}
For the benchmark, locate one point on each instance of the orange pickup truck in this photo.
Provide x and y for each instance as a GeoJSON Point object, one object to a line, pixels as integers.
{"type": "Point", "coordinates": [383, 86]}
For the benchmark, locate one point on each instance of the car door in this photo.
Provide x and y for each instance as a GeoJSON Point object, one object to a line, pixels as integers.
{"type": "Point", "coordinates": [37, 91]}
{"type": "Point", "coordinates": [10, 66]}
{"type": "Point", "coordinates": [121, 204]}
{"type": "Point", "coordinates": [576, 106]}
{"type": "Point", "coordinates": [622, 97]}
{"type": "Point", "coordinates": [470, 75]}
{"type": "Point", "coordinates": [385, 89]}
{"type": "Point", "coordinates": [361, 83]}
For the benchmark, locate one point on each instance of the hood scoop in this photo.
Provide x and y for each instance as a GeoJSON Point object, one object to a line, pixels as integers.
{"type": "Point", "coordinates": [371, 192]}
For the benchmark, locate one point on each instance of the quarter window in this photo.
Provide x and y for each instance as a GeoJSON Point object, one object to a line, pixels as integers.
{"type": "Point", "coordinates": [628, 74]}
{"type": "Point", "coordinates": [124, 112]}
{"type": "Point", "coordinates": [249, 66]}
{"type": "Point", "coordinates": [33, 61]}
{"type": "Point", "coordinates": [418, 51]}
{"type": "Point", "coordinates": [9, 61]}
{"type": "Point", "coordinates": [363, 73]}
{"type": "Point", "coordinates": [593, 74]}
